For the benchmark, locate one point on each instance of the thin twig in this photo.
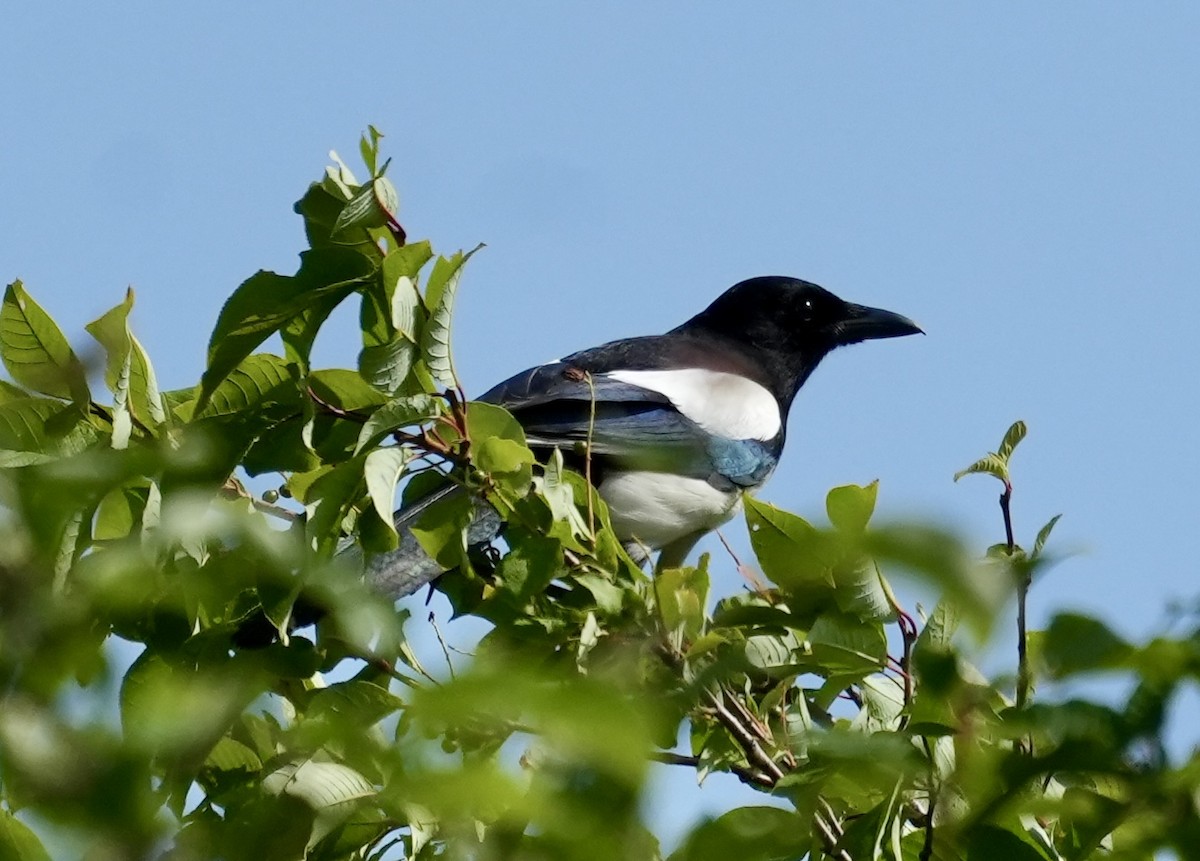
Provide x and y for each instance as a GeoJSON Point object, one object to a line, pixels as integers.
{"type": "Point", "coordinates": [587, 454]}
{"type": "Point", "coordinates": [746, 775]}
{"type": "Point", "coordinates": [748, 573]}
{"type": "Point", "coordinates": [442, 641]}
{"type": "Point", "coordinates": [1023, 678]}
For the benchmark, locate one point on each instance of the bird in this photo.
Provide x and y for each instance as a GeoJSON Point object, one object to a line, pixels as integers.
{"type": "Point", "coordinates": [678, 426]}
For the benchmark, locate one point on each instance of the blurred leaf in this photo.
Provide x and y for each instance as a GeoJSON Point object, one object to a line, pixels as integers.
{"type": "Point", "coordinates": [34, 349]}
{"type": "Point", "coordinates": [18, 842]}
{"type": "Point", "coordinates": [1074, 644]}
{"type": "Point", "coordinates": [747, 834]}
{"type": "Point", "coordinates": [939, 558]}
{"type": "Point", "coordinates": [330, 789]}
{"type": "Point", "coordinates": [993, 843]}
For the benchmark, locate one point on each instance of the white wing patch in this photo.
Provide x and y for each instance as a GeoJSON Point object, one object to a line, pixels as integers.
{"type": "Point", "coordinates": [724, 404]}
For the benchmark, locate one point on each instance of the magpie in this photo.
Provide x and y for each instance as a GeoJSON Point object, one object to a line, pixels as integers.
{"type": "Point", "coordinates": [678, 425]}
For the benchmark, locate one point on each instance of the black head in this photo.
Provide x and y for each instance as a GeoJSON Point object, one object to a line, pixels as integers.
{"type": "Point", "coordinates": [791, 325]}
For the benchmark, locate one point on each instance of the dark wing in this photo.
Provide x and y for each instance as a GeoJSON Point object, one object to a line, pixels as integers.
{"type": "Point", "coordinates": [560, 406]}
{"type": "Point", "coordinates": [565, 403]}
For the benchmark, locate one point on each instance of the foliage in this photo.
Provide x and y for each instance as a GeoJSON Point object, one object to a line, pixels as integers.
{"type": "Point", "coordinates": [868, 729]}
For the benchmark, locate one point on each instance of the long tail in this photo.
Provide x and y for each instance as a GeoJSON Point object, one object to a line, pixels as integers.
{"type": "Point", "coordinates": [406, 569]}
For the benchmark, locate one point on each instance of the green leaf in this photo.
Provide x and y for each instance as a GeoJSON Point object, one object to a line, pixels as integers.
{"type": "Point", "coordinates": [112, 332]}
{"type": "Point", "coordinates": [788, 549]}
{"type": "Point", "coordinates": [396, 414]}
{"type": "Point", "coordinates": [850, 507]}
{"type": "Point", "coordinates": [382, 470]}
{"type": "Point", "coordinates": [399, 277]}
{"type": "Point", "coordinates": [938, 557]}
{"type": "Point", "coordinates": [35, 351]}
{"type": "Point", "coordinates": [993, 843]}
{"type": "Point", "coordinates": [498, 448]}
{"type": "Point", "coordinates": [9, 392]}
{"type": "Point", "coordinates": [1075, 644]}
{"type": "Point", "coordinates": [260, 378]}
{"type": "Point", "coordinates": [747, 834]}
{"type": "Point", "coordinates": [1043, 536]}
{"type": "Point", "coordinates": [441, 531]}
{"type": "Point", "coordinates": [682, 594]}
{"type": "Point", "coordinates": [990, 464]}
{"type": "Point", "coordinates": [844, 644]}
{"type": "Point", "coordinates": [328, 500]}
{"type": "Point", "coordinates": [439, 296]}
{"type": "Point", "coordinates": [527, 569]}
{"type": "Point", "coordinates": [368, 148]}
{"type": "Point", "coordinates": [387, 366]}
{"type": "Point", "coordinates": [389, 318]}
{"type": "Point", "coordinates": [265, 302]}
{"type": "Point", "coordinates": [18, 842]}
{"type": "Point", "coordinates": [344, 389]}
{"type": "Point", "coordinates": [939, 630]}
{"type": "Point", "coordinates": [362, 210]}
{"type": "Point", "coordinates": [119, 512]}
{"type": "Point", "coordinates": [1012, 437]}
{"type": "Point", "coordinates": [329, 788]}
{"type": "Point", "coordinates": [23, 424]}
{"type": "Point", "coordinates": [860, 590]}
{"type": "Point", "coordinates": [230, 755]}
{"type": "Point", "coordinates": [996, 463]}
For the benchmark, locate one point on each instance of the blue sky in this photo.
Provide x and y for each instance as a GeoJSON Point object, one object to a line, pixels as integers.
{"type": "Point", "coordinates": [1021, 178]}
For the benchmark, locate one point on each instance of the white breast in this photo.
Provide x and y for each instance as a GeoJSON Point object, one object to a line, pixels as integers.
{"type": "Point", "coordinates": [657, 508]}
{"type": "Point", "coordinates": [724, 404]}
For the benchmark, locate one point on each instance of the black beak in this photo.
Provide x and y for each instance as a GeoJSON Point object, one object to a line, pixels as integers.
{"type": "Point", "coordinates": [861, 323]}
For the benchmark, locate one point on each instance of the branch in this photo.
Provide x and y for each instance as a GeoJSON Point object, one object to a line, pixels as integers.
{"type": "Point", "coordinates": [1023, 679]}
{"type": "Point", "coordinates": [747, 775]}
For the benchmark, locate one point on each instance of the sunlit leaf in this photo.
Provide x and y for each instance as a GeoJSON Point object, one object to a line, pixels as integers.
{"type": "Point", "coordinates": [439, 296]}
{"type": "Point", "coordinates": [850, 507]}
{"type": "Point", "coordinates": [265, 302]}
{"type": "Point", "coordinates": [382, 470]}
{"type": "Point", "coordinates": [396, 414]}
{"type": "Point", "coordinates": [990, 464]}
{"type": "Point", "coordinates": [34, 350]}
{"type": "Point", "coordinates": [1043, 536]}
{"type": "Point", "coordinates": [1012, 437]}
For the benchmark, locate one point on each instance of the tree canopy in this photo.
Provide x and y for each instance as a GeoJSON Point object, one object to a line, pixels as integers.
{"type": "Point", "coordinates": [246, 731]}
